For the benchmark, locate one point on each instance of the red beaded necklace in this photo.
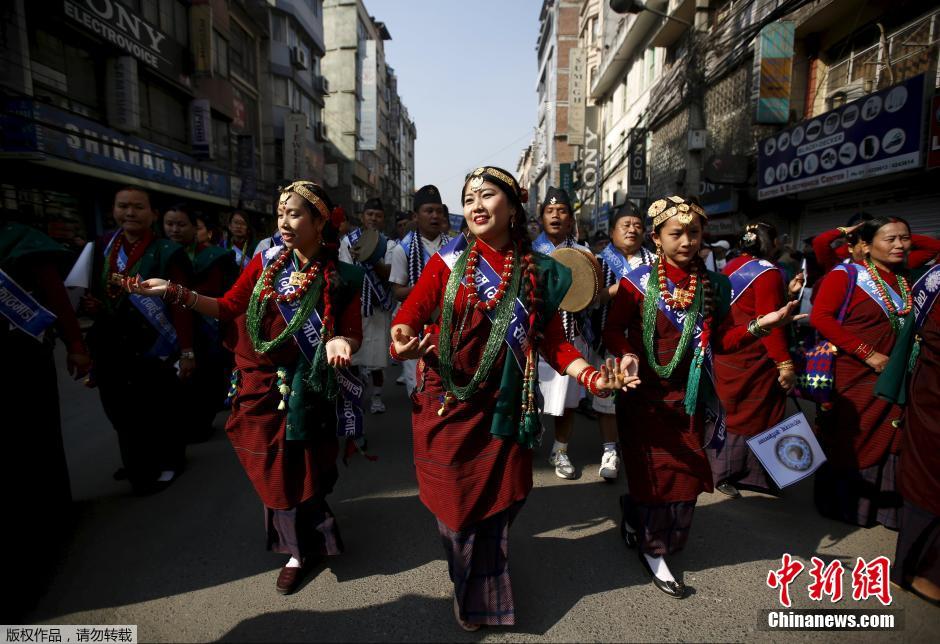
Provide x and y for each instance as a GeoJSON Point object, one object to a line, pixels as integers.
{"type": "Point", "coordinates": [135, 251]}
{"type": "Point", "coordinates": [473, 260]}
{"type": "Point", "coordinates": [301, 280]}
{"type": "Point", "coordinates": [681, 298]}
{"type": "Point", "coordinates": [882, 289]}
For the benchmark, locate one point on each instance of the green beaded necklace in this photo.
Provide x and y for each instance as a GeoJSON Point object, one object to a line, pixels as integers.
{"type": "Point", "coordinates": [502, 313]}
{"type": "Point", "coordinates": [258, 304]}
{"type": "Point", "coordinates": [650, 306]}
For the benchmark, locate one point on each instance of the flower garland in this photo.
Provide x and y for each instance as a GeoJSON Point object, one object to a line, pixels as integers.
{"type": "Point", "coordinates": [503, 315]}
{"type": "Point", "coordinates": [894, 314]}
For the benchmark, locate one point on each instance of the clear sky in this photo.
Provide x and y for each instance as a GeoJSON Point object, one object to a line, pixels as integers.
{"type": "Point", "coordinates": [467, 74]}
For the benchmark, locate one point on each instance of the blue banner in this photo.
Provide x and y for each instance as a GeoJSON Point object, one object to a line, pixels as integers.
{"type": "Point", "coordinates": [487, 282]}
{"type": "Point", "coordinates": [746, 274]}
{"type": "Point", "coordinates": [29, 126]}
{"type": "Point", "coordinates": [924, 293]}
{"type": "Point", "coordinates": [866, 283]}
{"type": "Point", "coordinates": [875, 135]}
{"type": "Point", "coordinates": [21, 309]}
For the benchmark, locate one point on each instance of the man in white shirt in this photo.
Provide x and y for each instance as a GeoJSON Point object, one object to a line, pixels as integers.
{"type": "Point", "coordinates": [408, 258]}
{"type": "Point", "coordinates": [377, 301]}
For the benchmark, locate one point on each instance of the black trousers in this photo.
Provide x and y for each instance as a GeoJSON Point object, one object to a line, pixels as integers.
{"type": "Point", "coordinates": [142, 399]}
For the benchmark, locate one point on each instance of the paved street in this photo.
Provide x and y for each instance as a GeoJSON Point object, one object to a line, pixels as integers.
{"type": "Point", "coordinates": [189, 564]}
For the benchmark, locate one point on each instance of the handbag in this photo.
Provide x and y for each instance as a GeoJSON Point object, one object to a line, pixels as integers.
{"type": "Point", "coordinates": [815, 366]}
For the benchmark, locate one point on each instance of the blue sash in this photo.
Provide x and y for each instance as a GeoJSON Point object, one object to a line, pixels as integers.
{"type": "Point", "coordinates": [349, 400]}
{"type": "Point", "coordinates": [487, 281]}
{"type": "Point", "coordinates": [639, 278]}
{"type": "Point", "coordinates": [866, 283]}
{"type": "Point", "coordinates": [924, 293]}
{"type": "Point", "coordinates": [619, 264]}
{"type": "Point", "coordinates": [380, 292]}
{"type": "Point", "coordinates": [544, 245]}
{"type": "Point", "coordinates": [151, 307]}
{"type": "Point", "coordinates": [21, 309]}
{"type": "Point", "coordinates": [405, 244]}
{"type": "Point", "coordinates": [742, 278]}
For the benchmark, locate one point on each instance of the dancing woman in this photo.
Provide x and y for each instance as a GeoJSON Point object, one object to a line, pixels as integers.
{"type": "Point", "coordinates": [753, 381]}
{"type": "Point", "coordinates": [475, 419]}
{"type": "Point", "coordinates": [861, 308]}
{"type": "Point", "coordinates": [296, 308]}
{"type": "Point", "coordinates": [671, 312]}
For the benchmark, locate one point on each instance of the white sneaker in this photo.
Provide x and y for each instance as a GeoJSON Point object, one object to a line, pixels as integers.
{"type": "Point", "coordinates": [378, 407]}
{"type": "Point", "coordinates": [610, 465]}
{"type": "Point", "coordinates": [563, 467]}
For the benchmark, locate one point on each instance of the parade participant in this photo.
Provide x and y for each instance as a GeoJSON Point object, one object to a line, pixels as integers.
{"type": "Point", "coordinates": [923, 248]}
{"type": "Point", "coordinates": [403, 221]}
{"type": "Point", "coordinates": [377, 300]}
{"type": "Point", "coordinates": [408, 258]}
{"type": "Point", "coordinates": [35, 474]}
{"type": "Point", "coordinates": [296, 309]}
{"type": "Point", "coordinates": [475, 418]}
{"type": "Point", "coordinates": [214, 272]}
{"type": "Point", "coordinates": [562, 394]}
{"type": "Point", "coordinates": [912, 377]}
{"type": "Point", "coordinates": [860, 308]}
{"type": "Point", "coordinates": [135, 342]}
{"type": "Point", "coordinates": [240, 239]}
{"type": "Point", "coordinates": [207, 230]}
{"type": "Point", "coordinates": [624, 254]}
{"type": "Point", "coordinates": [753, 381]}
{"type": "Point", "coordinates": [671, 312]}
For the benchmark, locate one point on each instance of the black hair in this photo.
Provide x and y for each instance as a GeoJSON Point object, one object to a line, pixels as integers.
{"type": "Point", "coordinates": [867, 231]}
{"type": "Point", "coordinates": [186, 209]}
{"type": "Point", "coordinates": [859, 217]}
{"type": "Point", "coordinates": [759, 240]}
{"type": "Point", "coordinates": [130, 186]}
{"type": "Point", "coordinates": [628, 209]}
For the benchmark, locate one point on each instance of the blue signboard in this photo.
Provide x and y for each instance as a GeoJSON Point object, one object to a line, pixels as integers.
{"type": "Point", "coordinates": [35, 127]}
{"type": "Point", "coordinates": [875, 135]}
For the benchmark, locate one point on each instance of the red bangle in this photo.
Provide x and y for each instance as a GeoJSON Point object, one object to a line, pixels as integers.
{"type": "Point", "coordinates": [584, 374]}
{"type": "Point", "coordinates": [592, 386]}
{"type": "Point", "coordinates": [392, 352]}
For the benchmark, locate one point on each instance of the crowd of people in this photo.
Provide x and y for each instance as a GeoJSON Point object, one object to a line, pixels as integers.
{"type": "Point", "coordinates": [685, 353]}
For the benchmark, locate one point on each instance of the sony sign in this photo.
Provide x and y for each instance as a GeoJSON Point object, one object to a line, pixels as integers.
{"type": "Point", "coordinates": [590, 161]}
{"type": "Point", "coordinates": [118, 25]}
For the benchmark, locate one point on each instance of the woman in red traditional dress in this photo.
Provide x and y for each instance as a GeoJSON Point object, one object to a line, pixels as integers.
{"type": "Point", "coordinates": [913, 378]}
{"type": "Point", "coordinates": [860, 309]}
{"type": "Point", "coordinates": [752, 381]}
{"type": "Point", "coordinates": [923, 248]}
{"type": "Point", "coordinates": [214, 272]}
{"type": "Point", "coordinates": [296, 309]}
{"type": "Point", "coordinates": [475, 419]}
{"type": "Point", "coordinates": [672, 310]}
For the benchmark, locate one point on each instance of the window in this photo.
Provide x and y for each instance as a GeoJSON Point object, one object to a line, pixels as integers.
{"type": "Point", "coordinates": [278, 28]}
{"type": "Point", "coordinates": [219, 55]}
{"type": "Point", "coordinates": [314, 6]}
{"type": "Point", "coordinates": [221, 142]}
{"type": "Point", "coordinates": [242, 53]}
{"type": "Point", "coordinates": [281, 91]}
{"type": "Point", "coordinates": [163, 116]}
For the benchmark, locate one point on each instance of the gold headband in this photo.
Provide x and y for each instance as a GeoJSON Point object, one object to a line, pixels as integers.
{"type": "Point", "coordinates": [674, 206]}
{"type": "Point", "coordinates": [477, 181]}
{"type": "Point", "coordinates": [300, 188]}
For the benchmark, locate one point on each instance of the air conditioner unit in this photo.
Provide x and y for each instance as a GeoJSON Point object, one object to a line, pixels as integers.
{"type": "Point", "coordinates": [319, 132]}
{"type": "Point", "coordinates": [323, 84]}
{"type": "Point", "coordinates": [848, 93]}
{"type": "Point", "coordinates": [298, 58]}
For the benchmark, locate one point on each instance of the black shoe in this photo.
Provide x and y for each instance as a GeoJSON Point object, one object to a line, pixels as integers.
{"type": "Point", "coordinates": [629, 538]}
{"type": "Point", "coordinates": [728, 490]}
{"type": "Point", "coordinates": [674, 589]}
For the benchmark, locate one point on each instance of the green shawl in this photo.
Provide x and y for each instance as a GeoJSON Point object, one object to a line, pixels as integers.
{"type": "Point", "coordinates": [892, 383]}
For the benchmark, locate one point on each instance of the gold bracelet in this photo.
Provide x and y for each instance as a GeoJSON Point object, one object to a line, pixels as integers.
{"type": "Point", "coordinates": [843, 230]}
{"type": "Point", "coordinates": [785, 365]}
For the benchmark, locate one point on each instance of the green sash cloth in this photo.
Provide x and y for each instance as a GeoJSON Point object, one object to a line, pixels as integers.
{"type": "Point", "coordinates": [153, 263]}
{"type": "Point", "coordinates": [555, 280]}
{"type": "Point", "coordinates": [209, 256]}
{"type": "Point", "coordinates": [892, 383]}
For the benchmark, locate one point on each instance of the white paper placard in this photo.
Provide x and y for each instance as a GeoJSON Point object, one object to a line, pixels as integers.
{"type": "Point", "coordinates": [788, 451]}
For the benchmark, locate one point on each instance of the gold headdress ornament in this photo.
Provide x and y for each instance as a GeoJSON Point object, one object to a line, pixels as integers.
{"type": "Point", "coordinates": [663, 209]}
{"type": "Point", "coordinates": [300, 188]}
{"type": "Point", "coordinates": [477, 179]}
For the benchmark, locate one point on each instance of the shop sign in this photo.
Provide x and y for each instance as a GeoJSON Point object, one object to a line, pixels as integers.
{"type": "Point", "coordinates": [636, 186]}
{"type": "Point", "coordinates": [933, 150]}
{"type": "Point", "coordinates": [245, 165]}
{"type": "Point", "coordinates": [200, 36]}
{"type": "Point", "coordinates": [200, 127]}
{"type": "Point", "coordinates": [117, 24]}
{"type": "Point", "coordinates": [577, 75]}
{"type": "Point", "coordinates": [774, 69]}
{"type": "Point", "coordinates": [878, 134]}
{"type": "Point", "coordinates": [295, 136]}
{"type": "Point", "coordinates": [717, 198]}
{"type": "Point", "coordinates": [368, 122]}
{"type": "Point", "coordinates": [123, 100]}
{"type": "Point", "coordinates": [61, 135]}
{"type": "Point", "coordinates": [565, 179]}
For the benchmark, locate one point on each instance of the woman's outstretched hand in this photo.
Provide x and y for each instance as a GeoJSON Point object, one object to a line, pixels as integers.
{"type": "Point", "coordinates": [783, 316]}
{"type": "Point", "coordinates": [154, 286]}
{"type": "Point", "coordinates": [338, 352]}
{"type": "Point", "coordinates": [614, 377]}
{"type": "Point", "coordinates": [407, 346]}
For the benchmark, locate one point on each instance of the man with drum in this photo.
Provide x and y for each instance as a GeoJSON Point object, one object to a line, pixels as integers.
{"type": "Point", "coordinates": [368, 248]}
{"type": "Point", "coordinates": [561, 392]}
{"type": "Point", "coordinates": [414, 250]}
